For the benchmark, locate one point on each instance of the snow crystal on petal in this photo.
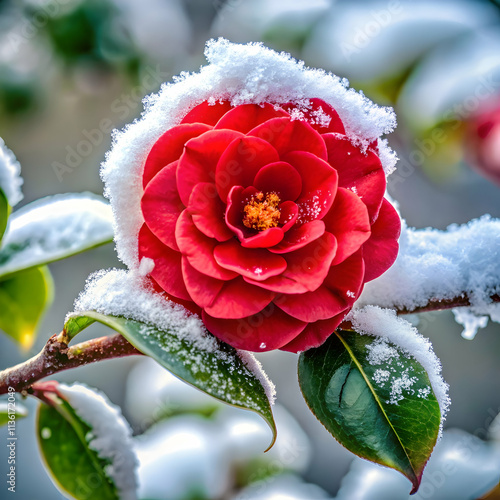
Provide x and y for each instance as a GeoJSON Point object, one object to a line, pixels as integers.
{"type": "Point", "coordinates": [383, 323]}
{"type": "Point", "coordinates": [10, 175]}
{"type": "Point", "coordinates": [434, 264]}
{"type": "Point", "coordinates": [110, 437]}
{"type": "Point", "coordinates": [242, 74]}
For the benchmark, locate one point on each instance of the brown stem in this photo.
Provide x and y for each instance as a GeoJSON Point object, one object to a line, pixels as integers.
{"type": "Point", "coordinates": [433, 305]}
{"type": "Point", "coordinates": [438, 305]}
{"type": "Point", "coordinates": [56, 356]}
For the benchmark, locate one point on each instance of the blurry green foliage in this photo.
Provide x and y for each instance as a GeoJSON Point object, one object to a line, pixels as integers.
{"type": "Point", "coordinates": [92, 31]}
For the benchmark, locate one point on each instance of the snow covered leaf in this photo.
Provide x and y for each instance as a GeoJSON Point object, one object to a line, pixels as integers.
{"type": "Point", "coordinates": [24, 297]}
{"type": "Point", "coordinates": [374, 398]}
{"type": "Point", "coordinates": [221, 373]}
{"type": "Point", "coordinates": [4, 213]}
{"type": "Point", "coordinates": [10, 175]}
{"type": "Point", "coordinates": [54, 228]}
{"type": "Point", "coordinates": [8, 409]}
{"type": "Point", "coordinates": [85, 443]}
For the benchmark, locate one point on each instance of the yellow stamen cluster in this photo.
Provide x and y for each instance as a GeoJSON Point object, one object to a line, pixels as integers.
{"type": "Point", "coordinates": [261, 212]}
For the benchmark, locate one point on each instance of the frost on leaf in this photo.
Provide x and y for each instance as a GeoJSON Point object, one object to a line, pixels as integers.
{"type": "Point", "coordinates": [384, 324]}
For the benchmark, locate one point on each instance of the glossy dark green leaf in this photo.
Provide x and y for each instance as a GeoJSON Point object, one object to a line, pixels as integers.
{"type": "Point", "coordinates": [220, 374]}
{"type": "Point", "coordinates": [24, 298]}
{"type": "Point", "coordinates": [11, 411]}
{"type": "Point", "coordinates": [382, 409]}
{"type": "Point", "coordinates": [75, 469]}
{"type": "Point", "coordinates": [4, 213]}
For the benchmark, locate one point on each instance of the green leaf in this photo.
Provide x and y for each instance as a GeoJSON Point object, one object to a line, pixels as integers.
{"type": "Point", "coordinates": [9, 408]}
{"type": "Point", "coordinates": [4, 213]}
{"type": "Point", "coordinates": [75, 468]}
{"type": "Point", "coordinates": [24, 298]}
{"type": "Point", "coordinates": [54, 228]}
{"type": "Point", "coordinates": [222, 374]}
{"type": "Point", "coordinates": [355, 396]}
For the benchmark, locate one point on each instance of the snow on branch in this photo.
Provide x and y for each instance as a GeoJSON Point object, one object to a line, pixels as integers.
{"type": "Point", "coordinates": [456, 267]}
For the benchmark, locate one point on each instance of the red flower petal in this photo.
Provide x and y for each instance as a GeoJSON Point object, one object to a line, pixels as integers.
{"type": "Point", "coordinates": [200, 157]}
{"type": "Point", "coordinates": [315, 116]}
{"type": "Point", "coordinates": [248, 116]}
{"type": "Point", "coordinates": [339, 291]}
{"type": "Point", "coordinates": [289, 213]}
{"type": "Point", "coordinates": [381, 250]}
{"type": "Point", "coordinates": [188, 304]}
{"type": "Point", "coordinates": [314, 334]}
{"type": "Point", "coordinates": [346, 279]}
{"type": "Point", "coordinates": [361, 173]}
{"type": "Point", "coordinates": [312, 306]}
{"type": "Point", "coordinates": [255, 263]}
{"type": "Point", "coordinates": [167, 270]}
{"type": "Point", "coordinates": [309, 265]}
{"type": "Point", "coordinates": [240, 162]}
{"type": "Point", "coordinates": [201, 288]}
{"type": "Point", "coordinates": [281, 178]}
{"type": "Point", "coordinates": [199, 249]}
{"type": "Point", "coordinates": [169, 148]}
{"type": "Point", "coordinates": [286, 135]}
{"type": "Point", "coordinates": [306, 268]}
{"type": "Point", "coordinates": [300, 236]}
{"type": "Point", "coordinates": [206, 113]}
{"type": "Point", "coordinates": [236, 200]}
{"type": "Point", "coordinates": [269, 329]}
{"type": "Point", "coordinates": [161, 205]}
{"type": "Point", "coordinates": [349, 222]}
{"type": "Point", "coordinates": [263, 239]}
{"type": "Point", "coordinates": [279, 284]}
{"type": "Point", "coordinates": [239, 299]}
{"type": "Point", "coordinates": [207, 212]}
{"type": "Point", "coordinates": [319, 185]}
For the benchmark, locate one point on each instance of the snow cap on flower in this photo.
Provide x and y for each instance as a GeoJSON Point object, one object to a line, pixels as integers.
{"type": "Point", "coordinates": [241, 74]}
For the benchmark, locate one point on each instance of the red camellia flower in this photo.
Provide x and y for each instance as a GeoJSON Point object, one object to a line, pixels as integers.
{"type": "Point", "coordinates": [267, 220]}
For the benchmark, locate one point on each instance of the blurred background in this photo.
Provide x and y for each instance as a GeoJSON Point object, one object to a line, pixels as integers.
{"type": "Point", "coordinates": [71, 71]}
